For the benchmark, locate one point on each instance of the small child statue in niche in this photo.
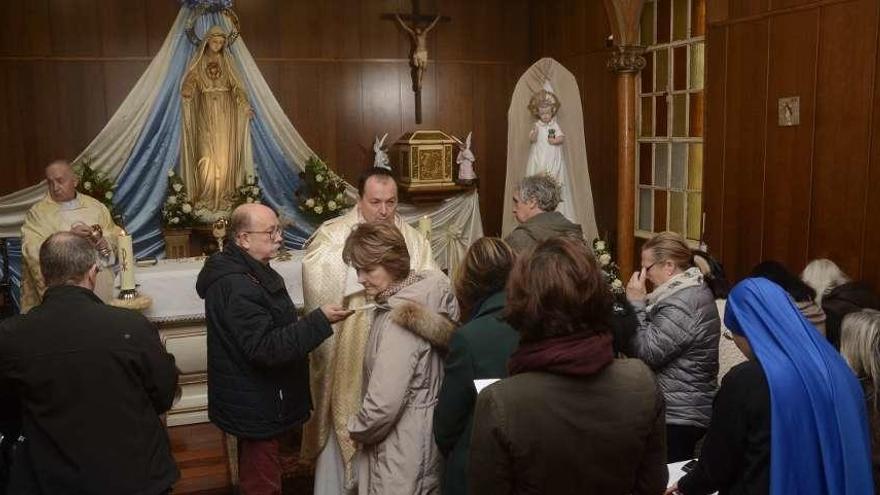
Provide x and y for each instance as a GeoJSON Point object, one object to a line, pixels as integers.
{"type": "Point", "coordinates": [546, 154]}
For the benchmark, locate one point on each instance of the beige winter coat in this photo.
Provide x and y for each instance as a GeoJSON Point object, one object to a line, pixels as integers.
{"type": "Point", "coordinates": [403, 371]}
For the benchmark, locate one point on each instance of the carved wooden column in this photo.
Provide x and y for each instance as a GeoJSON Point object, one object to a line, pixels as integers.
{"type": "Point", "coordinates": [626, 61]}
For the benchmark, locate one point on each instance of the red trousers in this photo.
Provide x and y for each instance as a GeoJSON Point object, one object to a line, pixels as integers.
{"type": "Point", "coordinates": [259, 467]}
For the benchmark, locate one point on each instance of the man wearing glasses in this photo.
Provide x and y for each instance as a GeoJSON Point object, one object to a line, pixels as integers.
{"type": "Point", "coordinates": [258, 368]}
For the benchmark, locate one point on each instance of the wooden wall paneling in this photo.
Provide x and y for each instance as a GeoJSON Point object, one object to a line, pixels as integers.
{"type": "Point", "coordinates": [451, 40]}
{"type": "Point", "coordinates": [870, 269]}
{"type": "Point", "coordinates": [745, 8]}
{"type": "Point", "coordinates": [382, 110]}
{"type": "Point", "coordinates": [550, 41]}
{"type": "Point", "coordinates": [573, 31]}
{"type": "Point", "coordinates": [260, 26]}
{"type": "Point", "coordinates": [305, 33]}
{"type": "Point", "coordinates": [328, 83]}
{"type": "Point", "coordinates": [160, 17]}
{"type": "Point", "coordinates": [717, 11]}
{"type": "Point", "coordinates": [785, 4]}
{"type": "Point", "coordinates": [347, 33]}
{"type": "Point", "coordinates": [36, 94]}
{"type": "Point", "coordinates": [744, 146]}
{"type": "Point", "coordinates": [599, 101]}
{"type": "Point", "coordinates": [789, 149]}
{"type": "Point", "coordinates": [24, 28]}
{"type": "Point", "coordinates": [597, 28]}
{"type": "Point", "coordinates": [380, 38]}
{"type": "Point", "coordinates": [483, 34]}
{"type": "Point", "coordinates": [123, 28]}
{"type": "Point", "coordinates": [352, 156]}
{"type": "Point", "coordinates": [487, 126]}
{"type": "Point", "coordinates": [75, 30]}
{"type": "Point", "coordinates": [119, 79]}
{"type": "Point", "coordinates": [455, 97]}
{"type": "Point", "coordinates": [514, 39]}
{"type": "Point", "coordinates": [80, 108]}
{"type": "Point", "coordinates": [843, 96]}
{"type": "Point", "coordinates": [538, 17]}
{"type": "Point", "coordinates": [713, 138]}
{"type": "Point", "coordinates": [299, 88]}
{"type": "Point", "coordinates": [11, 142]}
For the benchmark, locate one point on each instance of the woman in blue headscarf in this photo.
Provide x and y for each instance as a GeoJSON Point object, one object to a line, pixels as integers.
{"type": "Point", "coordinates": [795, 403]}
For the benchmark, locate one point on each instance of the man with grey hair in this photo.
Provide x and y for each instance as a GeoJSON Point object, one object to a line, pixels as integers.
{"type": "Point", "coordinates": [535, 199]}
{"type": "Point", "coordinates": [91, 381]}
{"type": "Point", "coordinates": [64, 209]}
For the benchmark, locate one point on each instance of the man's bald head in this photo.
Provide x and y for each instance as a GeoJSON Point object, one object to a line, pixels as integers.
{"type": "Point", "coordinates": [68, 259]}
{"type": "Point", "coordinates": [61, 181]}
{"type": "Point", "coordinates": [255, 229]}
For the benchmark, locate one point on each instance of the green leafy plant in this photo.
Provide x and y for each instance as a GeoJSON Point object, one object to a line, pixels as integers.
{"type": "Point", "coordinates": [249, 192]}
{"type": "Point", "coordinates": [321, 194]}
{"type": "Point", "coordinates": [95, 184]}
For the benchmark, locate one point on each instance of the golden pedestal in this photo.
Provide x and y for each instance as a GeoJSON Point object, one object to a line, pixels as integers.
{"type": "Point", "coordinates": [176, 242]}
{"type": "Point", "coordinates": [425, 165]}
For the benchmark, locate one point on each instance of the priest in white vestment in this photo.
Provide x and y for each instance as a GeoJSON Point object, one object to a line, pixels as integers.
{"type": "Point", "coordinates": [63, 209]}
{"type": "Point", "coordinates": [336, 366]}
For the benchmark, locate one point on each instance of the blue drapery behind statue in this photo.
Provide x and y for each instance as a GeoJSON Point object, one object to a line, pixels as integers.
{"type": "Point", "coordinates": [141, 184]}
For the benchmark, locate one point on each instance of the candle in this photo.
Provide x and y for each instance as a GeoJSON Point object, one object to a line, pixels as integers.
{"type": "Point", "coordinates": [126, 261]}
{"type": "Point", "coordinates": [425, 227]}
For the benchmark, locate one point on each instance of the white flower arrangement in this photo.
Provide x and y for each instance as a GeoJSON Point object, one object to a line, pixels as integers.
{"type": "Point", "coordinates": [609, 268]}
{"type": "Point", "coordinates": [178, 210]}
{"type": "Point", "coordinates": [247, 193]}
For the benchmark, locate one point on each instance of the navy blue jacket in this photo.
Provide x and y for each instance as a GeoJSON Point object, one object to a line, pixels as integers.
{"type": "Point", "coordinates": [258, 368]}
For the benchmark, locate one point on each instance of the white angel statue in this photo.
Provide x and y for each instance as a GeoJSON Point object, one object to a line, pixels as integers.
{"type": "Point", "coordinates": [465, 161]}
{"type": "Point", "coordinates": [380, 156]}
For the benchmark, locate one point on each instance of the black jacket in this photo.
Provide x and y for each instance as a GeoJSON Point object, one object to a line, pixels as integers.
{"type": "Point", "coordinates": [258, 368]}
{"type": "Point", "coordinates": [735, 458]}
{"type": "Point", "coordinates": [92, 381]}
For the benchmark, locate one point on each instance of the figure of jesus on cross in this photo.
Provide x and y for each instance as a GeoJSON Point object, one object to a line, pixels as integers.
{"type": "Point", "coordinates": [418, 28]}
{"type": "Point", "coordinates": [419, 57]}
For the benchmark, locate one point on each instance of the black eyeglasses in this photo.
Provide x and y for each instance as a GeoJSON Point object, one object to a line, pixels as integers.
{"type": "Point", "coordinates": [651, 266]}
{"type": "Point", "coordinates": [271, 232]}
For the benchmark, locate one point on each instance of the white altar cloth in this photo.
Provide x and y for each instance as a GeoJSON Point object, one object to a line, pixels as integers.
{"type": "Point", "coordinates": [172, 286]}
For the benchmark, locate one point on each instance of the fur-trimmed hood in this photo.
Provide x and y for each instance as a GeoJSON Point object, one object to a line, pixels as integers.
{"type": "Point", "coordinates": [433, 327]}
{"type": "Point", "coordinates": [426, 308]}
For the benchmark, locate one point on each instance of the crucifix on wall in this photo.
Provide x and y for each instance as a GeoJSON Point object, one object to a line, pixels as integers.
{"type": "Point", "coordinates": [417, 25]}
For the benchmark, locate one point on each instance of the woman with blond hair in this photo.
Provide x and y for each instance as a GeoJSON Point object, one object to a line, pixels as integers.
{"type": "Point", "coordinates": [860, 346]}
{"type": "Point", "coordinates": [677, 337]}
{"type": "Point", "coordinates": [478, 350]}
{"type": "Point", "coordinates": [403, 364]}
{"type": "Point", "coordinates": [837, 294]}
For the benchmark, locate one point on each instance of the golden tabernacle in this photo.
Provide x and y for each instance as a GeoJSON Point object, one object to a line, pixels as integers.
{"type": "Point", "coordinates": [424, 161]}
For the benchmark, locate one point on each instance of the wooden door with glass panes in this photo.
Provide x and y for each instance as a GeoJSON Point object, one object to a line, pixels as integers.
{"type": "Point", "coordinates": [669, 175]}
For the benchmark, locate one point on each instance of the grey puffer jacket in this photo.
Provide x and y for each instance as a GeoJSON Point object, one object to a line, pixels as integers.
{"type": "Point", "coordinates": [678, 339]}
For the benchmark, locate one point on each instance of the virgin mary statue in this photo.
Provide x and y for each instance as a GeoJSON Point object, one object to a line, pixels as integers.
{"type": "Point", "coordinates": [215, 151]}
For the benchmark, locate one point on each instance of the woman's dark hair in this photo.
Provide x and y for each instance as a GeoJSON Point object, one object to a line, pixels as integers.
{"type": "Point", "coordinates": [713, 274]}
{"type": "Point", "coordinates": [557, 289]}
{"type": "Point", "coordinates": [776, 272]}
{"type": "Point", "coordinates": [484, 272]}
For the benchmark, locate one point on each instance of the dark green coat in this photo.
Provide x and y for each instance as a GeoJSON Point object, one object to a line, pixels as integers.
{"type": "Point", "coordinates": [479, 349]}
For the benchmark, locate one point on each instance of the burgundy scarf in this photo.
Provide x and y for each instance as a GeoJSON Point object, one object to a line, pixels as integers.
{"type": "Point", "coordinates": [574, 354]}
